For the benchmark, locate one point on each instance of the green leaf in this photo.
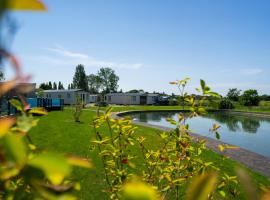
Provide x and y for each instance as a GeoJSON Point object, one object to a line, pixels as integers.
{"type": "Point", "coordinates": [201, 187]}
{"type": "Point", "coordinates": [202, 82]}
{"type": "Point", "coordinates": [16, 148]}
{"type": "Point", "coordinates": [38, 111]}
{"type": "Point", "coordinates": [17, 104]}
{"type": "Point", "coordinates": [217, 135]}
{"type": "Point", "coordinates": [54, 166]}
{"type": "Point", "coordinates": [137, 190]}
{"type": "Point", "coordinates": [79, 162]}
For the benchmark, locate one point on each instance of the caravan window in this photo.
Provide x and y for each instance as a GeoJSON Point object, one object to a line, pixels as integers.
{"type": "Point", "coordinates": [134, 98]}
{"type": "Point", "coordinates": [109, 98]}
{"type": "Point", "coordinates": [68, 95]}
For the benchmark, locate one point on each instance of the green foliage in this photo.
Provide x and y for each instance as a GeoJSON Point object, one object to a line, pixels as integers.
{"type": "Point", "coordinates": [78, 109]}
{"type": "Point", "coordinates": [225, 103]}
{"type": "Point", "coordinates": [60, 86]}
{"type": "Point", "coordinates": [54, 86]}
{"type": "Point", "coordinates": [167, 168]}
{"type": "Point", "coordinates": [39, 92]}
{"type": "Point", "coordinates": [1, 75]}
{"type": "Point", "coordinates": [80, 78]}
{"type": "Point", "coordinates": [250, 98]}
{"type": "Point", "coordinates": [94, 83]}
{"type": "Point", "coordinates": [233, 94]}
{"type": "Point", "coordinates": [108, 79]}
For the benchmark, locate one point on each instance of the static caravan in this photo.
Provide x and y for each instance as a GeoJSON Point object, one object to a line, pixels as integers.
{"type": "Point", "coordinates": [130, 98]}
{"type": "Point", "coordinates": [69, 96]}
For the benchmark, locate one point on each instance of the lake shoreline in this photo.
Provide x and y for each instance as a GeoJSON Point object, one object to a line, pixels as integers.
{"type": "Point", "coordinates": [248, 158]}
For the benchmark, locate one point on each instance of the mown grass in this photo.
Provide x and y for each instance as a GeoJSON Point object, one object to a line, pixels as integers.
{"type": "Point", "coordinates": [59, 133]}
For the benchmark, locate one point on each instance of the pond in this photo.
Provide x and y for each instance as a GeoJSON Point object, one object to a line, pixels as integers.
{"type": "Point", "coordinates": [251, 133]}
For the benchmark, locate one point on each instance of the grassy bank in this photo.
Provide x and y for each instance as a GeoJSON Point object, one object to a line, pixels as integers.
{"type": "Point", "coordinates": [57, 132]}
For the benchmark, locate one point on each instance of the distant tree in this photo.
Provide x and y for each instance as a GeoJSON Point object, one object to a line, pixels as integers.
{"type": "Point", "coordinates": [94, 83]}
{"type": "Point", "coordinates": [136, 91]}
{"type": "Point", "coordinates": [54, 86]}
{"type": "Point", "coordinates": [265, 97]}
{"type": "Point", "coordinates": [250, 98]}
{"type": "Point", "coordinates": [69, 87]}
{"type": "Point", "coordinates": [60, 86]}
{"type": "Point", "coordinates": [45, 86]}
{"type": "Point", "coordinates": [233, 94]}
{"type": "Point", "coordinates": [109, 79]}
{"type": "Point", "coordinates": [1, 75]}
{"type": "Point", "coordinates": [39, 92]}
{"type": "Point", "coordinates": [80, 78]}
{"type": "Point", "coordinates": [50, 85]}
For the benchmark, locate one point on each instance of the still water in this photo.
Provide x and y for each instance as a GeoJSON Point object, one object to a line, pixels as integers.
{"type": "Point", "coordinates": [252, 133]}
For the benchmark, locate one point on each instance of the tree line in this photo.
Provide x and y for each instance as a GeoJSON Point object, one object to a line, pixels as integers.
{"type": "Point", "coordinates": [104, 81]}
{"type": "Point", "coordinates": [52, 86]}
{"type": "Point", "coordinates": [248, 97]}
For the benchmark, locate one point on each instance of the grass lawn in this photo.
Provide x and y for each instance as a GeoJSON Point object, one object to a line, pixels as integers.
{"type": "Point", "coordinates": [57, 132]}
{"type": "Point", "coordinates": [116, 108]}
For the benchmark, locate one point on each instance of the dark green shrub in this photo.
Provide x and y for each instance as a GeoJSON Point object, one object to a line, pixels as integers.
{"type": "Point", "coordinates": [250, 98]}
{"type": "Point", "coordinates": [225, 103]}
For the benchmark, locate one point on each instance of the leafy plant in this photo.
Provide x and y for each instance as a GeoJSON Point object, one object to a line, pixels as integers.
{"type": "Point", "coordinates": [167, 168]}
{"type": "Point", "coordinates": [78, 109]}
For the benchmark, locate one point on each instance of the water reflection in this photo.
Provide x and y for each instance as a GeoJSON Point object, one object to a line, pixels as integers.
{"type": "Point", "coordinates": [249, 132]}
{"type": "Point", "coordinates": [233, 122]}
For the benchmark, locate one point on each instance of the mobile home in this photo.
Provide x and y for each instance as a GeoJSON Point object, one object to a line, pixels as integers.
{"type": "Point", "coordinates": [130, 98]}
{"type": "Point", "coordinates": [69, 96]}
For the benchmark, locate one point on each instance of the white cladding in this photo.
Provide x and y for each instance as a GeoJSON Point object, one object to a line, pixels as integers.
{"type": "Point", "coordinates": [69, 96]}
{"type": "Point", "coordinates": [130, 98]}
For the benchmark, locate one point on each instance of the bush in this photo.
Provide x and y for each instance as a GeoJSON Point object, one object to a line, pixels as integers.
{"type": "Point", "coordinates": [225, 103]}
{"type": "Point", "coordinates": [101, 104]}
{"type": "Point", "coordinates": [173, 102]}
{"type": "Point", "coordinates": [250, 98]}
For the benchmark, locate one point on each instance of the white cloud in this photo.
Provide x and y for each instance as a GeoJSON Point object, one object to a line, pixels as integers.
{"type": "Point", "coordinates": [67, 57]}
{"type": "Point", "coordinates": [252, 71]}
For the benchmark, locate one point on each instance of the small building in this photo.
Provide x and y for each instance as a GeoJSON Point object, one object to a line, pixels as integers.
{"type": "Point", "coordinates": [131, 98]}
{"type": "Point", "coordinates": [69, 96]}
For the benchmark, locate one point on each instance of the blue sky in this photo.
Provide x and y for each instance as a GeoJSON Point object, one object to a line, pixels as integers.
{"type": "Point", "coordinates": [149, 43]}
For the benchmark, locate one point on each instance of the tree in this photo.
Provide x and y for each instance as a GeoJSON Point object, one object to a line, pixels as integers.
{"type": "Point", "coordinates": [233, 94]}
{"type": "Point", "coordinates": [109, 79]}
{"type": "Point", "coordinates": [136, 91]}
{"type": "Point", "coordinates": [54, 86]}
{"type": "Point", "coordinates": [50, 85]}
{"type": "Point", "coordinates": [1, 75]}
{"type": "Point", "coordinates": [45, 86]}
{"type": "Point", "coordinates": [60, 86]}
{"type": "Point", "coordinates": [80, 78]}
{"type": "Point", "coordinates": [94, 83]}
{"type": "Point", "coordinates": [250, 98]}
